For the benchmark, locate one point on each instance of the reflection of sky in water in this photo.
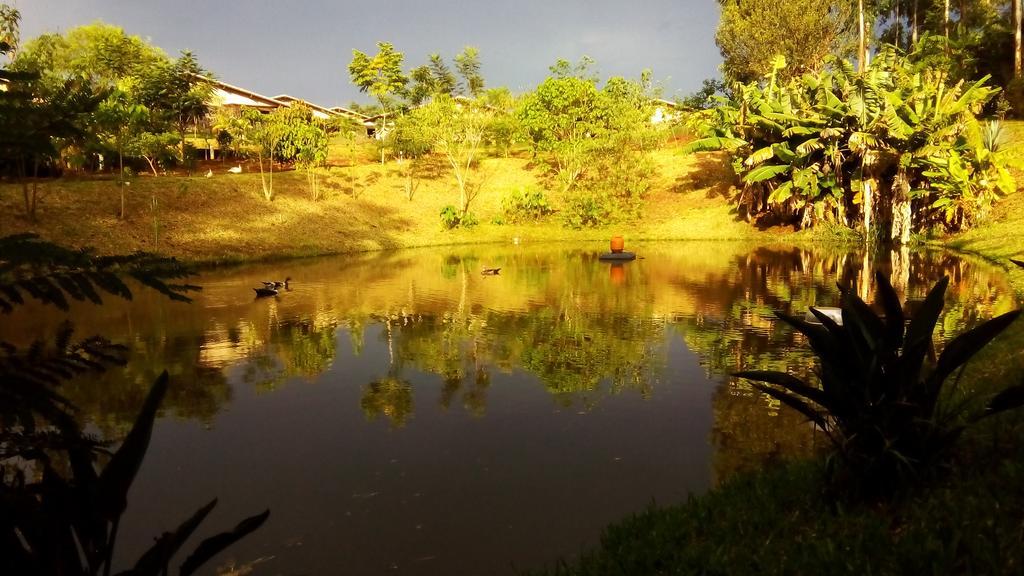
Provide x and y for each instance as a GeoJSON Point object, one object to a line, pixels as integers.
{"type": "Point", "coordinates": [401, 410]}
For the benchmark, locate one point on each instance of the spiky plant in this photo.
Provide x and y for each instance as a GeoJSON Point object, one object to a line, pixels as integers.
{"type": "Point", "coordinates": [59, 509]}
{"type": "Point", "coordinates": [879, 399]}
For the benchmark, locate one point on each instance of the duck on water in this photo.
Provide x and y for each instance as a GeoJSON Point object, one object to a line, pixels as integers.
{"type": "Point", "coordinates": [271, 287]}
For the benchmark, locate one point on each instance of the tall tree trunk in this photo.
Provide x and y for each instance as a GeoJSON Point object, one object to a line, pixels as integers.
{"type": "Point", "coordinates": [896, 22]}
{"type": "Point", "coordinates": [945, 22]}
{"type": "Point", "coordinates": [1018, 13]}
{"type": "Point", "coordinates": [120, 167]}
{"type": "Point", "coordinates": [383, 128]}
{"type": "Point", "coordinates": [913, 26]}
{"type": "Point", "coordinates": [862, 42]}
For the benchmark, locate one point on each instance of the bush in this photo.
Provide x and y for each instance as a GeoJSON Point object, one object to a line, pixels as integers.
{"type": "Point", "coordinates": [525, 205]}
{"type": "Point", "coordinates": [1014, 94]}
{"type": "Point", "coordinates": [880, 402]}
{"type": "Point", "coordinates": [451, 218]}
{"type": "Point", "coordinates": [587, 211]}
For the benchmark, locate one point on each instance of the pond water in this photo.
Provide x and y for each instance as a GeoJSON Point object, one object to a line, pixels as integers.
{"type": "Point", "coordinates": [403, 413]}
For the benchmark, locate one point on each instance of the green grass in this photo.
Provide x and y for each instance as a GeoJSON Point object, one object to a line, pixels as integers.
{"type": "Point", "coordinates": [1001, 236]}
{"type": "Point", "coordinates": [779, 522]}
{"type": "Point", "coordinates": [225, 218]}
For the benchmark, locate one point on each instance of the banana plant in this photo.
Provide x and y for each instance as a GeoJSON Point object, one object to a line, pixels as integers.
{"type": "Point", "coordinates": [845, 146]}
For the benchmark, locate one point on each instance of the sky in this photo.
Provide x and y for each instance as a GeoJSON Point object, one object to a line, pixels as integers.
{"type": "Point", "coordinates": [303, 47]}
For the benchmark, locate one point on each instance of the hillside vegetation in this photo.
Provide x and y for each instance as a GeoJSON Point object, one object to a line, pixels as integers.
{"type": "Point", "coordinates": [225, 218]}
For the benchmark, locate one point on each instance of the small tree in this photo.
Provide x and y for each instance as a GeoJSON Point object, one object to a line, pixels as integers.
{"type": "Point", "coordinates": [381, 76]}
{"type": "Point", "coordinates": [458, 131]}
{"type": "Point", "coordinates": [120, 121]}
{"type": "Point", "coordinates": [561, 117]}
{"type": "Point", "coordinates": [264, 132]}
{"type": "Point", "coordinates": [467, 63]}
{"type": "Point", "coordinates": [309, 142]}
{"type": "Point", "coordinates": [178, 93]}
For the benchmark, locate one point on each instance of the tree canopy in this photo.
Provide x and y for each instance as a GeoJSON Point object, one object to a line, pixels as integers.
{"type": "Point", "coordinates": [751, 33]}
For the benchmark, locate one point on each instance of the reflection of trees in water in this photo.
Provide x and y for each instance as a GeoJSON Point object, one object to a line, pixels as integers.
{"type": "Point", "coordinates": [388, 397]}
{"type": "Point", "coordinates": [558, 315]}
{"type": "Point", "coordinates": [570, 353]}
{"type": "Point", "coordinates": [738, 330]}
{"type": "Point", "coordinates": [196, 391]}
{"type": "Point", "coordinates": [303, 347]}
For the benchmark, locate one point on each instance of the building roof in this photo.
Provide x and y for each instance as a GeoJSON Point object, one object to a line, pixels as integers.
{"type": "Point", "coordinates": [326, 112]}
{"type": "Point", "coordinates": [229, 95]}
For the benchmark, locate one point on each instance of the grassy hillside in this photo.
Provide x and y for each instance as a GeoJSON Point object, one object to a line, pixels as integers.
{"type": "Point", "coordinates": [1002, 235]}
{"type": "Point", "coordinates": [224, 218]}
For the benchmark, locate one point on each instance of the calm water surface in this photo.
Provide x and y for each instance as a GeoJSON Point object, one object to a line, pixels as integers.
{"type": "Point", "coordinates": [401, 413]}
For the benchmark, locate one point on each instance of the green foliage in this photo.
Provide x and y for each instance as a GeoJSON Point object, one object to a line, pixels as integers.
{"type": "Point", "coordinates": [380, 76]}
{"type": "Point", "coordinates": [777, 522]}
{"type": "Point", "coordinates": [525, 205]}
{"type": "Point", "coordinates": [587, 211]}
{"type": "Point", "coordinates": [432, 79]}
{"type": "Point", "coordinates": [452, 218]}
{"type": "Point", "coordinates": [751, 33]}
{"type": "Point", "coordinates": [807, 149]}
{"type": "Point", "coordinates": [60, 509]}
{"type": "Point", "coordinates": [10, 25]}
{"type": "Point", "coordinates": [145, 94]}
{"type": "Point", "coordinates": [467, 63]}
{"type": "Point", "coordinates": [703, 99]}
{"type": "Point", "coordinates": [458, 131]}
{"type": "Point", "coordinates": [890, 420]}
{"type": "Point", "coordinates": [596, 140]}
{"type": "Point", "coordinates": [37, 123]}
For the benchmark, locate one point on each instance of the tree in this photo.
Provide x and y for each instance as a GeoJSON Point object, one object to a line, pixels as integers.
{"type": "Point", "coordinates": [121, 122]}
{"type": "Point", "coordinates": [467, 63]}
{"type": "Point", "coordinates": [903, 147]}
{"type": "Point", "coordinates": [752, 32]}
{"type": "Point", "coordinates": [458, 131]}
{"type": "Point", "coordinates": [1018, 15]}
{"type": "Point", "coordinates": [597, 140]}
{"type": "Point", "coordinates": [264, 131]}
{"type": "Point", "coordinates": [303, 140]}
{"type": "Point", "coordinates": [430, 80]}
{"type": "Point", "coordinates": [561, 116]}
{"type": "Point", "coordinates": [10, 26]}
{"type": "Point", "coordinates": [112, 62]}
{"type": "Point", "coordinates": [702, 99]}
{"type": "Point", "coordinates": [380, 76]}
{"type": "Point", "coordinates": [179, 94]}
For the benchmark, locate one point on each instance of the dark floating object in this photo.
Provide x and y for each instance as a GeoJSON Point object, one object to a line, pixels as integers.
{"type": "Point", "coordinates": [617, 256]}
{"type": "Point", "coordinates": [264, 292]}
{"type": "Point", "coordinates": [490, 271]}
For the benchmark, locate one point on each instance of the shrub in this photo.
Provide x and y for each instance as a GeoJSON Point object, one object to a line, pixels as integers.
{"type": "Point", "coordinates": [525, 205]}
{"type": "Point", "coordinates": [879, 402]}
{"type": "Point", "coordinates": [451, 218]}
{"type": "Point", "coordinates": [1014, 94]}
{"type": "Point", "coordinates": [587, 211]}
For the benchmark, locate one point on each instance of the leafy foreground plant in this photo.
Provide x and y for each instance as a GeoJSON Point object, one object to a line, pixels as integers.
{"type": "Point", "coordinates": [59, 512]}
{"type": "Point", "coordinates": [880, 403]}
